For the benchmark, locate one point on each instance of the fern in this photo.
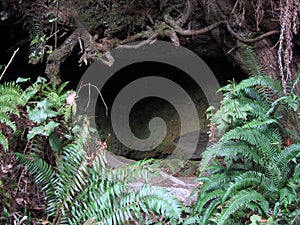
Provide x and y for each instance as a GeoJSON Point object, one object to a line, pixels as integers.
{"type": "Point", "coordinates": [242, 199]}
{"type": "Point", "coordinates": [4, 118]}
{"type": "Point", "coordinates": [250, 179]}
{"type": "Point", "coordinates": [44, 175]}
{"type": "Point", "coordinates": [217, 181]}
{"type": "Point", "coordinates": [252, 62]}
{"type": "Point", "coordinates": [10, 99]}
{"type": "Point", "coordinates": [214, 196]}
{"type": "Point", "coordinates": [250, 164]}
{"type": "Point", "coordinates": [86, 188]}
{"type": "Point", "coordinates": [12, 96]}
{"type": "Point", "coordinates": [3, 142]}
{"type": "Point", "coordinates": [37, 42]}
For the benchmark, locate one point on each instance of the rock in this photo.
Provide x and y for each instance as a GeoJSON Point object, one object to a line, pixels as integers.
{"type": "Point", "coordinates": [184, 188]}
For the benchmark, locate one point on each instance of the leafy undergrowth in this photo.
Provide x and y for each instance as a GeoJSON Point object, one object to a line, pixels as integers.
{"type": "Point", "coordinates": [28, 125]}
{"type": "Point", "coordinates": [252, 173]}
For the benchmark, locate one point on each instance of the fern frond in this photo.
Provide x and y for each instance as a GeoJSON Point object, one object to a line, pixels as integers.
{"type": "Point", "coordinates": [43, 174]}
{"type": "Point", "coordinates": [37, 42]}
{"type": "Point", "coordinates": [11, 97]}
{"type": "Point", "coordinates": [6, 107]}
{"type": "Point", "coordinates": [283, 159]}
{"type": "Point", "coordinates": [216, 181]}
{"type": "Point", "coordinates": [160, 201]}
{"type": "Point", "coordinates": [208, 155]}
{"type": "Point", "coordinates": [232, 150]}
{"type": "Point", "coordinates": [207, 198]}
{"type": "Point", "coordinates": [296, 217]}
{"type": "Point", "coordinates": [73, 175]}
{"type": "Point", "coordinates": [61, 88]}
{"type": "Point", "coordinates": [263, 139]}
{"type": "Point", "coordinates": [250, 179]}
{"type": "Point", "coordinates": [240, 200]}
{"type": "Point", "coordinates": [209, 211]}
{"type": "Point", "coordinates": [133, 172]}
{"type": "Point", "coordinates": [252, 61]}
{"type": "Point", "coordinates": [97, 200]}
{"type": "Point", "coordinates": [4, 118]}
{"type": "Point", "coordinates": [3, 142]}
{"type": "Point", "coordinates": [102, 204]}
{"type": "Point", "coordinates": [266, 86]}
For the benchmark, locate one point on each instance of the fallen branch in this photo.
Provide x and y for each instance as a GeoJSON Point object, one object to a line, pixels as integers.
{"type": "Point", "coordinates": [6, 66]}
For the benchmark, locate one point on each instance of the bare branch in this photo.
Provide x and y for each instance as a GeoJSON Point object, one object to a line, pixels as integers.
{"type": "Point", "coordinates": [145, 42]}
{"type": "Point", "coordinates": [204, 30]}
{"type": "Point", "coordinates": [6, 67]}
{"type": "Point", "coordinates": [200, 31]}
{"type": "Point", "coordinates": [251, 40]}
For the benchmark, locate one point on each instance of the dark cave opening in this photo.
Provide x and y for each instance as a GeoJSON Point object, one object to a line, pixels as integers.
{"type": "Point", "coordinates": [150, 107]}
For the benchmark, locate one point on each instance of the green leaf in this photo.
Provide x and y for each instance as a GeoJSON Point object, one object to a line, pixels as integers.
{"type": "Point", "coordinates": [42, 130]}
{"type": "Point", "coordinates": [42, 112]}
{"type": "Point", "coordinates": [38, 116]}
{"type": "Point", "coordinates": [35, 131]}
{"type": "Point", "coordinates": [50, 127]}
{"type": "Point", "coordinates": [22, 80]}
{"type": "Point", "coordinates": [254, 219]}
{"type": "Point", "coordinates": [287, 196]}
{"type": "Point", "coordinates": [52, 20]}
{"type": "Point", "coordinates": [55, 143]}
{"type": "Point", "coordinates": [40, 80]}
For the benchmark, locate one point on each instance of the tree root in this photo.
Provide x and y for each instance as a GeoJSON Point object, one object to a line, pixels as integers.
{"type": "Point", "coordinates": [91, 50]}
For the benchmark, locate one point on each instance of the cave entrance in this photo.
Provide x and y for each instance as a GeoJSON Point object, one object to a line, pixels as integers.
{"type": "Point", "coordinates": [150, 107]}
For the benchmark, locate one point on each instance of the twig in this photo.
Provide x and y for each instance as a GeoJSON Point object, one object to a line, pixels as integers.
{"type": "Point", "coordinates": [5, 67]}
{"type": "Point", "coordinates": [56, 25]}
{"type": "Point", "coordinates": [55, 33]}
{"type": "Point", "coordinates": [200, 31]}
{"type": "Point", "coordinates": [145, 42]}
{"type": "Point", "coordinates": [89, 99]}
{"type": "Point", "coordinates": [94, 86]}
{"type": "Point", "coordinates": [80, 45]}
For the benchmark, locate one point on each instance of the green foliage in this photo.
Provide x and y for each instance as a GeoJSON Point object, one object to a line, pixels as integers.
{"type": "Point", "coordinates": [50, 113]}
{"type": "Point", "coordinates": [256, 98]}
{"type": "Point", "coordinates": [38, 39]}
{"type": "Point", "coordinates": [82, 188]}
{"type": "Point", "coordinates": [41, 113]}
{"type": "Point", "coordinates": [253, 170]}
{"type": "Point", "coordinates": [11, 98]}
